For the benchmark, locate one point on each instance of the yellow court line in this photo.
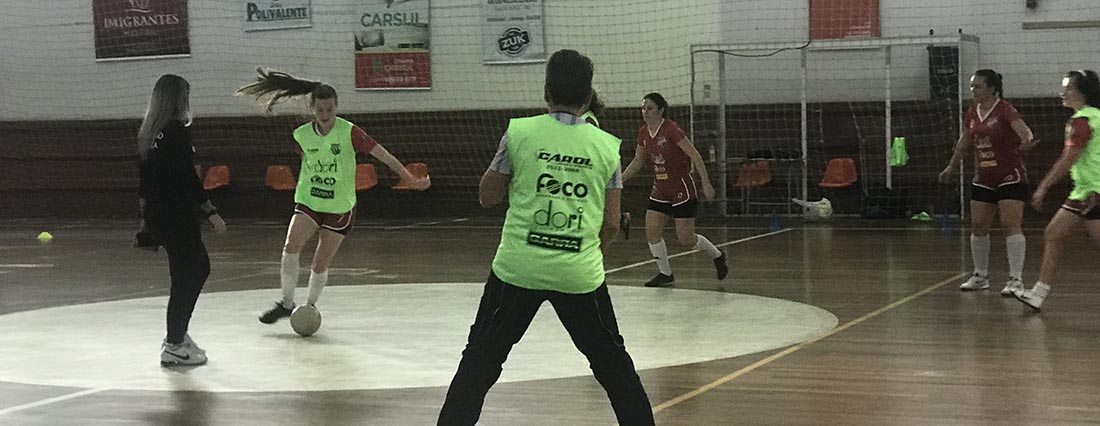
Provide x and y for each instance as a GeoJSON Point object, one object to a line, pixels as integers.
{"type": "Point", "coordinates": [700, 390]}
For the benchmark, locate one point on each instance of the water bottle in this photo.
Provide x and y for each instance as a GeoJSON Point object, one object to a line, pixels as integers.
{"type": "Point", "coordinates": [624, 225]}
{"type": "Point", "coordinates": [947, 224]}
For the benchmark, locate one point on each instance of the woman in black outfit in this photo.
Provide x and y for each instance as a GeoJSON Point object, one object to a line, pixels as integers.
{"type": "Point", "coordinates": [173, 203]}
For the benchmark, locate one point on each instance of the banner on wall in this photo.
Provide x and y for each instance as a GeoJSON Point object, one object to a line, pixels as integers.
{"type": "Point", "coordinates": [392, 45]}
{"type": "Point", "coordinates": [261, 15]}
{"type": "Point", "coordinates": [140, 29]}
{"type": "Point", "coordinates": [511, 32]}
{"type": "Point", "coordinates": [833, 19]}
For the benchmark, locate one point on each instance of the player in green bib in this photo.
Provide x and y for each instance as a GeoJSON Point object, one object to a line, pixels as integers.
{"type": "Point", "coordinates": [563, 181]}
{"type": "Point", "coordinates": [1081, 160]}
{"type": "Point", "coordinates": [325, 196]}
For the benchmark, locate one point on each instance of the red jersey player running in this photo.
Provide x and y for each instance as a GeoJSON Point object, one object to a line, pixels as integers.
{"type": "Point", "coordinates": [679, 176]}
{"type": "Point", "coordinates": [998, 136]}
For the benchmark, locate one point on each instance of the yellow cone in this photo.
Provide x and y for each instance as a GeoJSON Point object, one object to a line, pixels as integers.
{"type": "Point", "coordinates": [45, 237]}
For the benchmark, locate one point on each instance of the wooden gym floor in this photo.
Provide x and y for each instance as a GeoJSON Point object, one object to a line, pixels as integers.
{"type": "Point", "coordinates": [881, 334]}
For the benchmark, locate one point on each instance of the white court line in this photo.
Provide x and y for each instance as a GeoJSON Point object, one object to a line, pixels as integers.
{"type": "Point", "coordinates": [418, 224]}
{"type": "Point", "coordinates": [621, 268]}
{"type": "Point", "coordinates": [242, 276]}
{"type": "Point", "coordinates": [49, 401]}
{"type": "Point", "coordinates": [26, 265]}
{"type": "Point", "coordinates": [727, 243]}
{"type": "Point", "coordinates": [94, 391]}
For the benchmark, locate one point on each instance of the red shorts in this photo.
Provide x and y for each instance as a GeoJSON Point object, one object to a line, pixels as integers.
{"type": "Point", "coordinates": [338, 223]}
{"type": "Point", "coordinates": [1082, 208]}
{"type": "Point", "coordinates": [675, 190]}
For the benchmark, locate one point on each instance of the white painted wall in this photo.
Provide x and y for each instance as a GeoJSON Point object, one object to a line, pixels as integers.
{"type": "Point", "coordinates": [1032, 61]}
{"type": "Point", "coordinates": [48, 69]}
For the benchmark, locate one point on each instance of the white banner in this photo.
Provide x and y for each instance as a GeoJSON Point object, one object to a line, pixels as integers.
{"type": "Point", "coordinates": [262, 15]}
{"type": "Point", "coordinates": [393, 45]}
{"type": "Point", "coordinates": [511, 32]}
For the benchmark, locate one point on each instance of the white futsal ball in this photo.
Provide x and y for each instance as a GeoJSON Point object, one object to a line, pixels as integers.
{"type": "Point", "coordinates": [305, 320]}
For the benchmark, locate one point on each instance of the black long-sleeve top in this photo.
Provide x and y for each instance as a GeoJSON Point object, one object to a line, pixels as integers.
{"type": "Point", "coordinates": [168, 179]}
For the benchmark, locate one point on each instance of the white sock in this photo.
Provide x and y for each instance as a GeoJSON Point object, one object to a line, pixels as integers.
{"type": "Point", "coordinates": [289, 278]}
{"type": "Point", "coordinates": [702, 243]}
{"type": "Point", "coordinates": [1017, 249]}
{"type": "Point", "coordinates": [979, 250]}
{"type": "Point", "coordinates": [317, 281]}
{"type": "Point", "coordinates": [660, 252]}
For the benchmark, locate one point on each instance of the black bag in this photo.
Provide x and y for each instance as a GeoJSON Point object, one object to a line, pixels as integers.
{"type": "Point", "coordinates": [145, 239]}
{"type": "Point", "coordinates": [885, 203]}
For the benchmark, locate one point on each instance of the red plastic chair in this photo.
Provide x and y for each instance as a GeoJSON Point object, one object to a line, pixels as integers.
{"type": "Point", "coordinates": [366, 177]}
{"type": "Point", "coordinates": [749, 176]}
{"type": "Point", "coordinates": [216, 177]}
{"type": "Point", "coordinates": [419, 170]}
{"type": "Point", "coordinates": [839, 173]}
{"type": "Point", "coordinates": [279, 178]}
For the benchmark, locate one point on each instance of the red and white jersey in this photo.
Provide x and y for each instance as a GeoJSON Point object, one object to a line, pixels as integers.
{"type": "Point", "coordinates": [673, 178]}
{"type": "Point", "coordinates": [997, 156]}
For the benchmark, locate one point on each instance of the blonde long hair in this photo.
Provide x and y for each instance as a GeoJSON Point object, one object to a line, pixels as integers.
{"type": "Point", "coordinates": [277, 86]}
{"type": "Point", "coordinates": [169, 102]}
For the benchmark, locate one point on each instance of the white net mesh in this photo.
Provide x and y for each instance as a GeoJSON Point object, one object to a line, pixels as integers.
{"type": "Point", "coordinates": [68, 120]}
{"type": "Point", "coordinates": [857, 98]}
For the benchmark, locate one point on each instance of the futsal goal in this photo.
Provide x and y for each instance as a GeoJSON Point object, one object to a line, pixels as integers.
{"type": "Point", "coordinates": [771, 116]}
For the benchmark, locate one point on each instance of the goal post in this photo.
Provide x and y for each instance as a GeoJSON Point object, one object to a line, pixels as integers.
{"type": "Point", "coordinates": [796, 105]}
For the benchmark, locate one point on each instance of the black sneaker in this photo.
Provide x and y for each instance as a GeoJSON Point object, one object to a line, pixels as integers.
{"type": "Point", "coordinates": [661, 280]}
{"type": "Point", "coordinates": [721, 267]}
{"type": "Point", "coordinates": [274, 314]}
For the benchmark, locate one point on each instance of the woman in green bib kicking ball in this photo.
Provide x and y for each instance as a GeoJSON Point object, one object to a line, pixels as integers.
{"type": "Point", "coordinates": [325, 197]}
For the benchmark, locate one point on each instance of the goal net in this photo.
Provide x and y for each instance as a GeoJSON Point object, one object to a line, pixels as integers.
{"type": "Point", "coordinates": [776, 116]}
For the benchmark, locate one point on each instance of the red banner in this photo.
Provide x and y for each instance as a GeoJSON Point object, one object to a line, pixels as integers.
{"type": "Point", "coordinates": [134, 29]}
{"type": "Point", "coordinates": [397, 70]}
{"type": "Point", "coordinates": [832, 19]}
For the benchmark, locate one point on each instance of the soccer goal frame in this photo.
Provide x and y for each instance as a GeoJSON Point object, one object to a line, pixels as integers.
{"type": "Point", "coordinates": [969, 44]}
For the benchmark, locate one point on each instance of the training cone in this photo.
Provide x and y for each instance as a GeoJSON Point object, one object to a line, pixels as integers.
{"type": "Point", "coordinates": [45, 237]}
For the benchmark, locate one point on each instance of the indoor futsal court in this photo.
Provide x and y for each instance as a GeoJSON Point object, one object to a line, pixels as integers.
{"type": "Point", "coordinates": [849, 146]}
{"type": "Point", "coordinates": [818, 324]}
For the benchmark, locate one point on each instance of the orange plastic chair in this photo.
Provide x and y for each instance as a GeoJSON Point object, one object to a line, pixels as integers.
{"type": "Point", "coordinates": [365, 177]}
{"type": "Point", "coordinates": [419, 170]}
{"type": "Point", "coordinates": [839, 173]}
{"type": "Point", "coordinates": [752, 175]}
{"type": "Point", "coordinates": [216, 177]}
{"type": "Point", "coordinates": [279, 178]}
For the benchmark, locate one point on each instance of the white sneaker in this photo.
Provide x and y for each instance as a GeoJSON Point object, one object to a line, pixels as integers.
{"type": "Point", "coordinates": [181, 355]}
{"type": "Point", "coordinates": [1013, 286]}
{"type": "Point", "coordinates": [186, 341]}
{"type": "Point", "coordinates": [1034, 297]}
{"type": "Point", "coordinates": [976, 282]}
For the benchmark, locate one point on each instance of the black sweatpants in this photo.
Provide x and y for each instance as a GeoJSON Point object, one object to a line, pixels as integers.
{"type": "Point", "coordinates": [188, 265]}
{"type": "Point", "coordinates": [503, 316]}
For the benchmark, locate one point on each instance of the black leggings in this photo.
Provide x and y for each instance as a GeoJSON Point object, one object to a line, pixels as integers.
{"type": "Point", "coordinates": [188, 265]}
{"type": "Point", "coordinates": [503, 316]}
